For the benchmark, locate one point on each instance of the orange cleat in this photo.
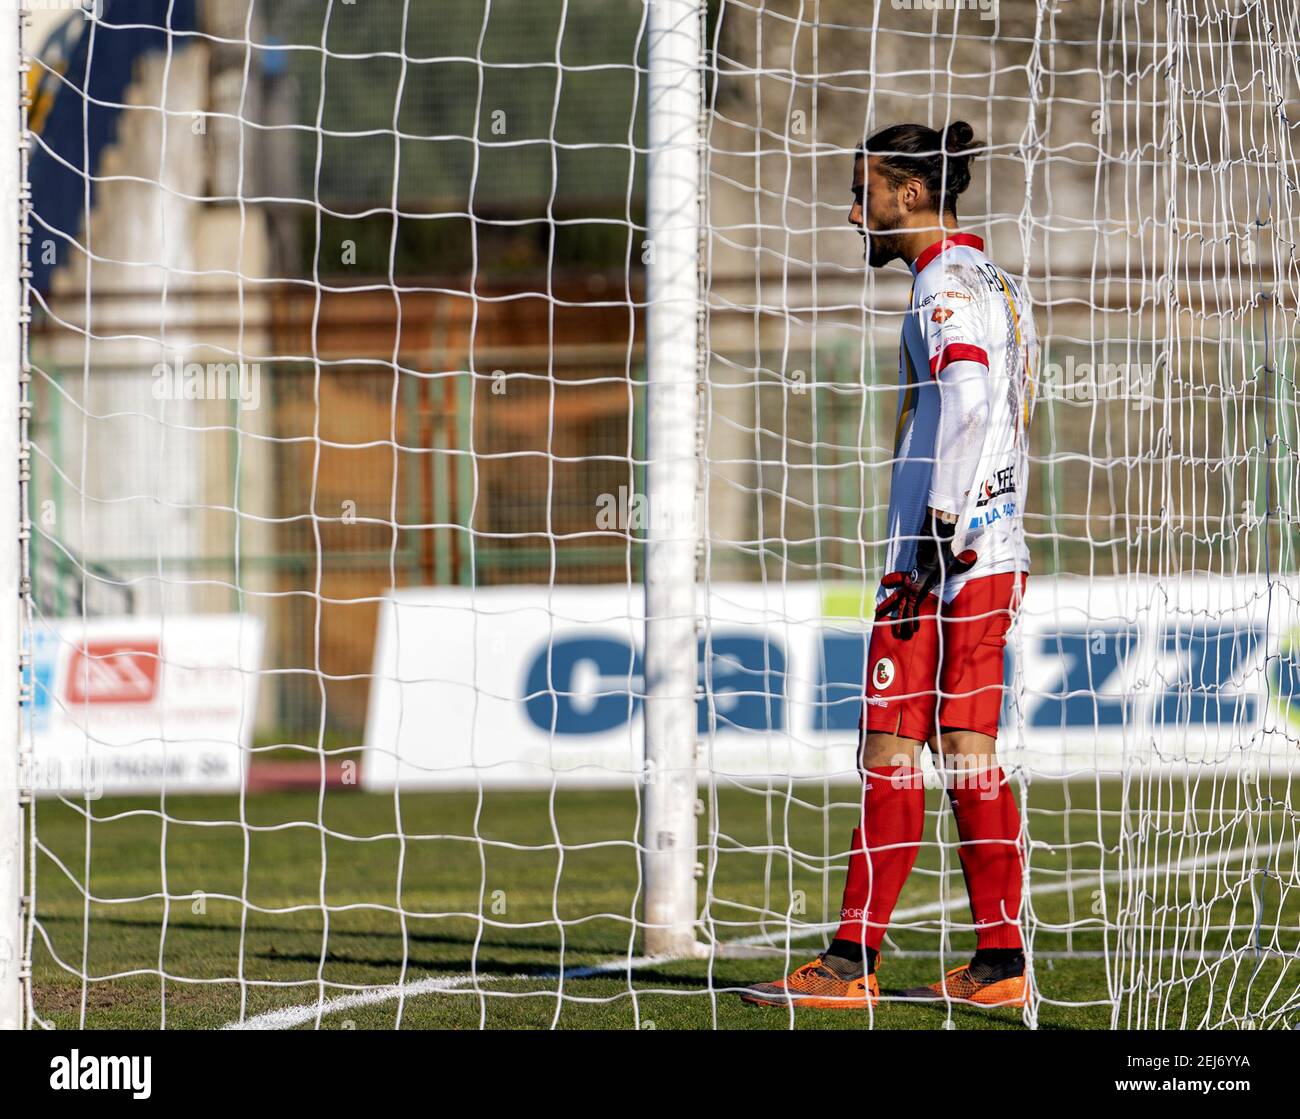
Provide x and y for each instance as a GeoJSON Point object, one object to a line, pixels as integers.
{"type": "Point", "coordinates": [960, 985]}
{"type": "Point", "coordinates": [816, 987]}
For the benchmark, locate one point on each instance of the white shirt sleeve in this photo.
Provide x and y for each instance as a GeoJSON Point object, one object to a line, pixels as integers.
{"type": "Point", "coordinates": [959, 363]}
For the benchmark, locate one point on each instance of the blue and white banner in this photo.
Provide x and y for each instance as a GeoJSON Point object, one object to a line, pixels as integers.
{"type": "Point", "coordinates": [520, 686]}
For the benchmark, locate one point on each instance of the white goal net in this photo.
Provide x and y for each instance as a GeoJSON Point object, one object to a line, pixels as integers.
{"type": "Point", "coordinates": [456, 444]}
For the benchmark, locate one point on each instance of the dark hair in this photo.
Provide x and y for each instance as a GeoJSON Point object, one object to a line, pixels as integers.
{"type": "Point", "coordinates": [941, 160]}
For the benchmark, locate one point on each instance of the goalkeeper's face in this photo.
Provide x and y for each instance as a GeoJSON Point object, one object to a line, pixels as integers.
{"type": "Point", "coordinates": [877, 214]}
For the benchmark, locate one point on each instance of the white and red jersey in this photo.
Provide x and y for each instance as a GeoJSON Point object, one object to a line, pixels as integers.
{"type": "Point", "coordinates": [966, 397]}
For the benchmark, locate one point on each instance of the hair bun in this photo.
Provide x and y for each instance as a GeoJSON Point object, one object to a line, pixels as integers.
{"type": "Point", "coordinates": [958, 137]}
{"type": "Point", "coordinates": [940, 159]}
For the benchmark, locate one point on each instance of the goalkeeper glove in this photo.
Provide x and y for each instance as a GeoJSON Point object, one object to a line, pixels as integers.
{"type": "Point", "coordinates": [935, 565]}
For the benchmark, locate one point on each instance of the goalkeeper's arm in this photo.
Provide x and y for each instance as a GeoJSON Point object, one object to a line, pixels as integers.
{"type": "Point", "coordinates": [959, 441]}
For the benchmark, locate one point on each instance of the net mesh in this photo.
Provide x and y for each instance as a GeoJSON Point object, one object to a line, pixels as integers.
{"type": "Point", "coordinates": [339, 523]}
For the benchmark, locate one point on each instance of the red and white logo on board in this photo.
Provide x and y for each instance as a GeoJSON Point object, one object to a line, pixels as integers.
{"type": "Point", "coordinates": [114, 672]}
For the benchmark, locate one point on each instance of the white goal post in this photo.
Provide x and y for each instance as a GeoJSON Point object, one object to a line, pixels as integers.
{"type": "Point", "coordinates": [673, 476]}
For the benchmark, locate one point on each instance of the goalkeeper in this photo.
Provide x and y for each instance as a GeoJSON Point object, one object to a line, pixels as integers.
{"type": "Point", "coordinates": [956, 564]}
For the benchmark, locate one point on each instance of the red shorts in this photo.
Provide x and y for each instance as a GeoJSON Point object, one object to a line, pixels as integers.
{"type": "Point", "coordinates": [961, 651]}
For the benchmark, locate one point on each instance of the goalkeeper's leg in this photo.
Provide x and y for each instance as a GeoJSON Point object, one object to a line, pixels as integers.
{"type": "Point", "coordinates": [883, 851]}
{"type": "Point", "coordinates": [898, 717]}
{"type": "Point", "coordinates": [988, 820]}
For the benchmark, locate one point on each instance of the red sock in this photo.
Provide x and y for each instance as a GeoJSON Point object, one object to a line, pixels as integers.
{"type": "Point", "coordinates": [883, 851]}
{"type": "Point", "coordinates": [988, 822]}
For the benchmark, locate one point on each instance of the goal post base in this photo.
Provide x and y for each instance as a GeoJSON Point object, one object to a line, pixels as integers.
{"type": "Point", "coordinates": [678, 948]}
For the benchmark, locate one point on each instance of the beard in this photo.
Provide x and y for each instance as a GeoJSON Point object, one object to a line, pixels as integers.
{"type": "Point", "coordinates": [884, 242]}
{"type": "Point", "coordinates": [882, 247]}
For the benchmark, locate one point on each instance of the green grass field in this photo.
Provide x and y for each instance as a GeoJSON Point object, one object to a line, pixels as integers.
{"type": "Point", "coordinates": [350, 890]}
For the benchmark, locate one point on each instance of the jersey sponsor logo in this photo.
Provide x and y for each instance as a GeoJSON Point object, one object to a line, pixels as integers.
{"type": "Point", "coordinates": [990, 516]}
{"type": "Point", "coordinates": [882, 675]}
{"type": "Point", "coordinates": [958, 296]}
{"type": "Point", "coordinates": [941, 315]}
{"type": "Point", "coordinates": [1003, 482]}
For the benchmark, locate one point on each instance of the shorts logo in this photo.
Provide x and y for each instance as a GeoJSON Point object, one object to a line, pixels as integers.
{"type": "Point", "coordinates": [883, 674]}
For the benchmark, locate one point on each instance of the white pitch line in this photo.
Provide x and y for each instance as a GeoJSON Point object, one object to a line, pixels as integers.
{"type": "Point", "coordinates": [291, 1016]}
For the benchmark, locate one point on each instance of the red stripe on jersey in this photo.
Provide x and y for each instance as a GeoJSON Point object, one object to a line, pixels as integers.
{"type": "Point", "coordinates": [957, 351]}
{"type": "Point", "coordinates": [967, 239]}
